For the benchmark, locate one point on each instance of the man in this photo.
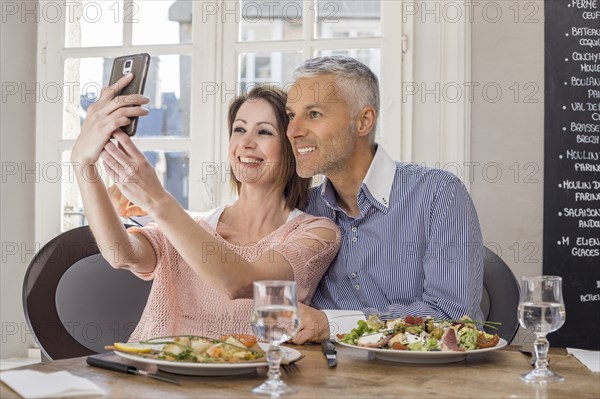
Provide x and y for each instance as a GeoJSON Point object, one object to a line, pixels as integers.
{"type": "Point", "coordinates": [411, 241]}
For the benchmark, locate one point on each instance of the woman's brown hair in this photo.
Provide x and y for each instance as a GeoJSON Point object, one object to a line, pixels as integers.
{"type": "Point", "coordinates": [295, 188]}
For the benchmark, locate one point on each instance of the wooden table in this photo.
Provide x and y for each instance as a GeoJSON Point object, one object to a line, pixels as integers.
{"type": "Point", "coordinates": [357, 375]}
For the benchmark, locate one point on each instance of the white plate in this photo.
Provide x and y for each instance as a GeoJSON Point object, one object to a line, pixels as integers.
{"type": "Point", "coordinates": [342, 320]}
{"type": "Point", "coordinates": [423, 357]}
{"type": "Point", "coordinates": [209, 369]}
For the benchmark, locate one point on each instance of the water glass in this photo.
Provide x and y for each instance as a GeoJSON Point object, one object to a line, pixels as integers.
{"type": "Point", "coordinates": [541, 310]}
{"type": "Point", "coordinates": [275, 320]}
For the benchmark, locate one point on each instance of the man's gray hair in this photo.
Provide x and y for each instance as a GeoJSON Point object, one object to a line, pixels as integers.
{"type": "Point", "coordinates": [358, 85]}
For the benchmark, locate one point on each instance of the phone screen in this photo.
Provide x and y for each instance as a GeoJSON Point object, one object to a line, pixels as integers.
{"type": "Point", "coordinates": [137, 64]}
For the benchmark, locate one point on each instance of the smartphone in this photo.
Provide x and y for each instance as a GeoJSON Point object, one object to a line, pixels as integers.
{"type": "Point", "coordinates": [137, 64]}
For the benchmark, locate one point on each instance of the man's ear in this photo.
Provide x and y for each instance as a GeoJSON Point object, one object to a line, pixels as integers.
{"type": "Point", "coordinates": [365, 121]}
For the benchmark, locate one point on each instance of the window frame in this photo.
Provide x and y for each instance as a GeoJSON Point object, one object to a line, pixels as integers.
{"type": "Point", "coordinates": [214, 39]}
{"type": "Point", "coordinates": [49, 141]}
{"type": "Point", "coordinates": [394, 135]}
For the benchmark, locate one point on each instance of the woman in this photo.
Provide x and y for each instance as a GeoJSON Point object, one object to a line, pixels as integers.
{"type": "Point", "coordinates": [203, 268]}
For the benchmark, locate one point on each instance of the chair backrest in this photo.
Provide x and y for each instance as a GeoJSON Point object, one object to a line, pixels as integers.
{"type": "Point", "coordinates": [500, 298]}
{"type": "Point", "coordinates": [75, 302]}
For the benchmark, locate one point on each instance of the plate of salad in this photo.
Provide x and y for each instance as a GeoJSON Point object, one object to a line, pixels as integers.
{"type": "Point", "coordinates": [413, 339]}
{"type": "Point", "coordinates": [193, 355]}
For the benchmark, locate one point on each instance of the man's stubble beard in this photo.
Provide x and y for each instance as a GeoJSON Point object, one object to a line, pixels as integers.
{"type": "Point", "coordinates": [335, 155]}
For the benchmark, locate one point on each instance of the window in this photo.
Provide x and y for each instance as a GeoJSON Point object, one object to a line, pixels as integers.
{"type": "Point", "coordinates": [268, 39]}
{"type": "Point", "coordinates": [203, 54]}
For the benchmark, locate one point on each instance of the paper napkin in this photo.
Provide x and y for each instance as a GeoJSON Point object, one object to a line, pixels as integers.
{"type": "Point", "coordinates": [591, 359]}
{"type": "Point", "coordinates": [61, 384]}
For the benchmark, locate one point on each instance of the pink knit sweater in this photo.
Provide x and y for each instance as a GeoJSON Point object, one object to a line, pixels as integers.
{"type": "Point", "coordinates": [181, 303]}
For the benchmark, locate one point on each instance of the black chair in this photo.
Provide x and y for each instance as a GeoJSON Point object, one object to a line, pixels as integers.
{"type": "Point", "coordinates": [75, 302]}
{"type": "Point", "coordinates": [500, 297]}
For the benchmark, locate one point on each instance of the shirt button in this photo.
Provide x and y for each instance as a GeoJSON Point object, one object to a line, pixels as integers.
{"type": "Point", "coordinates": [354, 239]}
{"type": "Point", "coordinates": [354, 229]}
{"type": "Point", "coordinates": [357, 286]}
{"type": "Point", "coordinates": [353, 275]}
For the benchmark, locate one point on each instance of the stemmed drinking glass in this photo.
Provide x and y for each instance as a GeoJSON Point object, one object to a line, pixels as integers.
{"type": "Point", "coordinates": [541, 309]}
{"type": "Point", "coordinates": [275, 320]}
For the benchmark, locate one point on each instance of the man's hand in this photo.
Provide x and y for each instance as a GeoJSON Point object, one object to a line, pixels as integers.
{"type": "Point", "coordinates": [314, 326]}
{"type": "Point", "coordinates": [124, 207]}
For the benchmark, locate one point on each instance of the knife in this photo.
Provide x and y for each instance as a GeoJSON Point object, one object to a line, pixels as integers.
{"type": "Point", "coordinates": [329, 352]}
{"type": "Point", "coordinates": [125, 368]}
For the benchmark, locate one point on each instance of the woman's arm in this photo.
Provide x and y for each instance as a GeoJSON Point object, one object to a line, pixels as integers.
{"type": "Point", "coordinates": [208, 256]}
{"type": "Point", "coordinates": [124, 207]}
{"type": "Point", "coordinates": [104, 118]}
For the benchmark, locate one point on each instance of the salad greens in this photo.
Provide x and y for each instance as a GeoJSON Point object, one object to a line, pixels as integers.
{"type": "Point", "coordinates": [421, 334]}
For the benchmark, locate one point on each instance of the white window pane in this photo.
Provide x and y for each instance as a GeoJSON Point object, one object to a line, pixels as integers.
{"type": "Point", "coordinates": [162, 22]}
{"type": "Point", "coordinates": [348, 18]}
{"type": "Point", "coordinates": [83, 81]}
{"type": "Point", "coordinates": [94, 23]}
{"type": "Point", "coordinates": [172, 168]}
{"type": "Point", "coordinates": [167, 86]}
{"type": "Point", "coordinates": [269, 20]}
{"type": "Point", "coordinates": [275, 67]}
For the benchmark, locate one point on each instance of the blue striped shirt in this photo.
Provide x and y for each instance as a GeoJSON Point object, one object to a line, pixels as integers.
{"type": "Point", "coordinates": [415, 248]}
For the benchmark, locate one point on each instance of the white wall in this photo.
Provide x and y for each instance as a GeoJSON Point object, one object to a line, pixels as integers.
{"type": "Point", "coordinates": [507, 137]}
{"type": "Point", "coordinates": [510, 134]}
{"type": "Point", "coordinates": [426, 73]}
{"type": "Point", "coordinates": [17, 135]}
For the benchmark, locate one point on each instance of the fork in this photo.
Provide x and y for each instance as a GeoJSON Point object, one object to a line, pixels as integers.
{"type": "Point", "coordinates": [289, 367]}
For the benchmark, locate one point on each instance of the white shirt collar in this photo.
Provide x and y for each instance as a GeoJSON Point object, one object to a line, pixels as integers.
{"type": "Point", "coordinates": [379, 179]}
{"type": "Point", "coordinates": [380, 176]}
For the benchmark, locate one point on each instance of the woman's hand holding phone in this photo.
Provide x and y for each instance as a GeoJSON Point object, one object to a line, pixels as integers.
{"type": "Point", "coordinates": [105, 118]}
{"type": "Point", "coordinates": [112, 116]}
{"type": "Point", "coordinates": [138, 64]}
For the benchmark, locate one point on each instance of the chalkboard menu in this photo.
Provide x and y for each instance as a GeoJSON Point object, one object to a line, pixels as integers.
{"type": "Point", "coordinates": [572, 165]}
